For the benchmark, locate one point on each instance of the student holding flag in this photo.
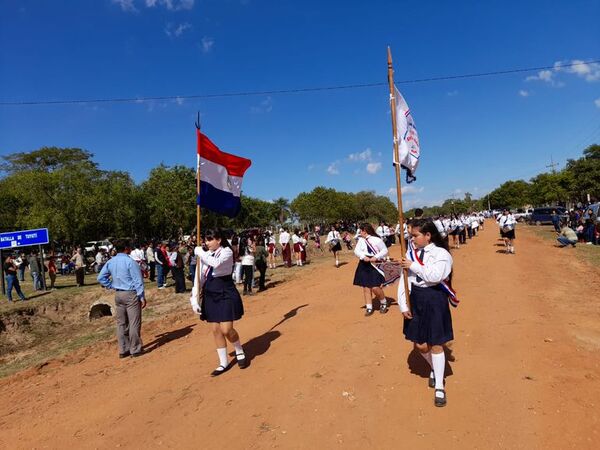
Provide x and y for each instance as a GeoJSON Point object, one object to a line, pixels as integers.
{"type": "Point", "coordinates": [216, 299]}
{"type": "Point", "coordinates": [428, 323]}
{"type": "Point", "coordinates": [214, 296]}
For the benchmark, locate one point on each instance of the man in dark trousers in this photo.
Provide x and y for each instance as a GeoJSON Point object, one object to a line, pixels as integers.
{"type": "Point", "coordinates": [124, 275]}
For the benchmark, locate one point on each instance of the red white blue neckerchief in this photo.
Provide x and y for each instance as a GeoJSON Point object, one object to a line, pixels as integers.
{"type": "Point", "coordinates": [452, 298]}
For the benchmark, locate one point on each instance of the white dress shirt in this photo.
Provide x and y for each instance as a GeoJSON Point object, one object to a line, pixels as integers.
{"type": "Point", "coordinates": [507, 221]}
{"type": "Point", "coordinates": [332, 236]}
{"type": "Point", "coordinates": [284, 238]}
{"type": "Point", "coordinates": [362, 250]}
{"type": "Point", "coordinates": [437, 265]}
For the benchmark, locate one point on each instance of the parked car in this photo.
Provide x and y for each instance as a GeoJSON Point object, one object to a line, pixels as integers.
{"type": "Point", "coordinates": [102, 245]}
{"type": "Point", "coordinates": [541, 216]}
{"type": "Point", "coordinates": [522, 215]}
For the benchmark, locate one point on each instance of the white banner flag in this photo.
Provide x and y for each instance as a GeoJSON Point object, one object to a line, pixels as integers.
{"type": "Point", "coordinates": [406, 133]}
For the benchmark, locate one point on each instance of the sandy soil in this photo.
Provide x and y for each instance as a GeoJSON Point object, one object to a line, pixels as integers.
{"type": "Point", "coordinates": [526, 373]}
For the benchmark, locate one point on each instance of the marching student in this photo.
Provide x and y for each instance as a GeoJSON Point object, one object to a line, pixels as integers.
{"type": "Point", "coordinates": [335, 243]}
{"type": "Point", "coordinates": [455, 224]}
{"type": "Point", "coordinates": [507, 223]}
{"type": "Point", "coordinates": [271, 249]}
{"type": "Point", "coordinates": [216, 299]}
{"type": "Point", "coordinates": [428, 323]}
{"type": "Point", "coordinates": [286, 251]}
{"type": "Point", "coordinates": [370, 249]}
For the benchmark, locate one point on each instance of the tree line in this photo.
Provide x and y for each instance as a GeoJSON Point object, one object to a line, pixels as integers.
{"type": "Point", "coordinates": [572, 184]}
{"type": "Point", "coordinates": [64, 190]}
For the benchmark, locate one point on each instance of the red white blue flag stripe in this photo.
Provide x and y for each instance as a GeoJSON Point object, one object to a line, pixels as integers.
{"type": "Point", "coordinates": [220, 178]}
{"type": "Point", "coordinates": [452, 298]}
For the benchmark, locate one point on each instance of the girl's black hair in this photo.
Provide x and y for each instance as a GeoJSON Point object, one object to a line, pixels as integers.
{"type": "Point", "coordinates": [427, 226]}
{"type": "Point", "coordinates": [368, 228]}
{"type": "Point", "coordinates": [217, 234]}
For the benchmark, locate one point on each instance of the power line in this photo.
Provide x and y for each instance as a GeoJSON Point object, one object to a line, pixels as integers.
{"type": "Point", "coordinates": [285, 91]}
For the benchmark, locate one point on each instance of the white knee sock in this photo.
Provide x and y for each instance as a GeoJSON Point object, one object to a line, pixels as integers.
{"type": "Point", "coordinates": [438, 361]}
{"type": "Point", "coordinates": [239, 351]}
{"type": "Point", "coordinates": [369, 305]}
{"type": "Point", "coordinates": [222, 352]}
{"type": "Point", "coordinates": [383, 301]}
{"type": "Point", "coordinates": [427, 357]}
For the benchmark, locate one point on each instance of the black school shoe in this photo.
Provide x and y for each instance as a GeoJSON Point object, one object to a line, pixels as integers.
{"type": "Point", "coordinates": [124, 355]}
{"type": "Point", "coordinates": [368, 312]}
{"type": "Point", "coordinates": [217, 372]}
{"type": "Point", "coordinates": [243, 362]}
{"type": "Point", "coordinates": [440, 401]}
{"type": "Point", "coordinates": [383, 308]}
{"type": "Point", "coordinates": [431, 380]}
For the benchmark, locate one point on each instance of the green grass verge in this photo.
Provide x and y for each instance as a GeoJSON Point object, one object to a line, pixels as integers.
{"type": "Point", "coordinates": [588, 253]}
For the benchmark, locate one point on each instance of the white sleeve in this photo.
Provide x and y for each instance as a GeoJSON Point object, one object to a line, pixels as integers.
{"type": "Point", "coordinates": [401, 295]}
{"type": "Point", "coordinates": [360, 249]}
{"type": "Point", "coordinates": [382, 250]}
{"type": "Point", "coordinates": [209, 260]}
{"type": "Point", "coordinates": [435, 271]}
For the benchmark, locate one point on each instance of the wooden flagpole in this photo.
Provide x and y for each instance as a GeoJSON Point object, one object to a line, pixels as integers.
{"type": "Point", "coordinates": [397, 169]}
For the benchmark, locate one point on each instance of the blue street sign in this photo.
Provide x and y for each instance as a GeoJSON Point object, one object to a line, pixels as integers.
{"type": "Point", "coordinates": [23, 238]}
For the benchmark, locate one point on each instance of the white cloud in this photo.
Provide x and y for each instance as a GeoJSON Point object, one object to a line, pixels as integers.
{"type": "Point", "coordinates": [457, 191]}
{"type": "Point", "coordinates": [171, 5]}
{"type": "Point", "coordinates": [373, 167]}
{"type": "Point", "coordinates": [597, 102]}
{"type": "Point", "coordinates": [180, 101]}
{"type": "Point", "coordinates": [311, 166]}
{"type": "Point", "coordinates": [588, 71]}
{"type": "Point", "coordinates": [207, 44]}
{"type": "Point", "coordinates": [266, 106]}
{"type": "Point", "coordinates": [453, 93]}
{"type": "Point", "coordinates": [175, 31]}
{"type": "Point", "coordinates": [410, 190]}
{"type": "Point", "coordinates": [333, 168]}
{"type": "Point", "coordinates": [361, 156]}
{"type": "Point", "coordinates": [524, 93]}
{"type": "Point", "coordinates": [126, 5]}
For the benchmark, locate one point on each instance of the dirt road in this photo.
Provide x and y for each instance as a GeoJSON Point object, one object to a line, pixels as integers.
{"type": "Point", "coordinates": [526, 373]}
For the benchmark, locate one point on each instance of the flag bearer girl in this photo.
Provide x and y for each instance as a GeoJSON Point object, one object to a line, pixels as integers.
{"type": "Point", "coordinates": [218, 301]}
{"type": "Point", "coordinates": [370, 249]}
{"type": "Point", "coordinates": [428, 323]}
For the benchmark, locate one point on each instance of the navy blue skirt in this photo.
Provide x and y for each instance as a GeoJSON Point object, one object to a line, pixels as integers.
{"type": "Point", "coordinates": [221, 301]}
{"type": "Point", "coordinates": [367, 276]}
{"type": "Point", "coordinates": [431, 323]}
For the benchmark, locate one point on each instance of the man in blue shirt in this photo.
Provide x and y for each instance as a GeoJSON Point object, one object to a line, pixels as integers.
{"type": "Point", "coordinates": [123, 274]}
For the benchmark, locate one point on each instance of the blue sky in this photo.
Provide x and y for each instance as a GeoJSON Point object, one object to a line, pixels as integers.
{"type": "Point", "coordinates": [475, 133]}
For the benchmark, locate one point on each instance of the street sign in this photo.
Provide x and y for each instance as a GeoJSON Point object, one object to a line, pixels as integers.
{"type": "Point", "coordinates": [24, 238]}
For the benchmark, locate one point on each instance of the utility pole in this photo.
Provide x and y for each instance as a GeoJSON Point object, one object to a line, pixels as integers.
{"type": "Point", "coordinates": [552, 165]}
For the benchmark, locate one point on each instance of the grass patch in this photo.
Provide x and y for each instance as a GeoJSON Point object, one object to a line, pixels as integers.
{"type": "Point", "coordinates": [588, 253]}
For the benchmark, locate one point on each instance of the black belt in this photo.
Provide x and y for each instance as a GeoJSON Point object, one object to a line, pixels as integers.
{"type": "Point", "coordinates": [125, 290]}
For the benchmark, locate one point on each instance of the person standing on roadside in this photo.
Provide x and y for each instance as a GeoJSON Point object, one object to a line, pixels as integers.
{"type": "Point", "coordinates": [35, 270]}
{"type": "Point", "coordinates": [52, 272]}
{"type": "Point", "coordinates": [151, 260]}
{"type": "Point", "coordinates": [79, 262]}
{"type": "Point", "coordinates": [124, 275]}
{"type": "Point", "coordinates": [161, 263]}
{"type": "Point", "coordinates": [10, 269]}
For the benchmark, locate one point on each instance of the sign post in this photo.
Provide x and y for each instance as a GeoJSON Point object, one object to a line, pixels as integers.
{"type": "Point", "coordinates": [24, 238]}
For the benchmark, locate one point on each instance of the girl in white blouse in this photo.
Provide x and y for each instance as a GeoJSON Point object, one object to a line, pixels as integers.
{"type": "Point", "coordinates": [370, 249]}
{"type": "Point", "coordinates": [216, 299]}
{"type": "Point", "coordinates": [428, 323]}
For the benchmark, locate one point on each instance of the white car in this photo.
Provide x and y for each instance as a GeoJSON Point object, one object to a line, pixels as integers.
{"type": "Point", "coordinates": [102, 245]}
